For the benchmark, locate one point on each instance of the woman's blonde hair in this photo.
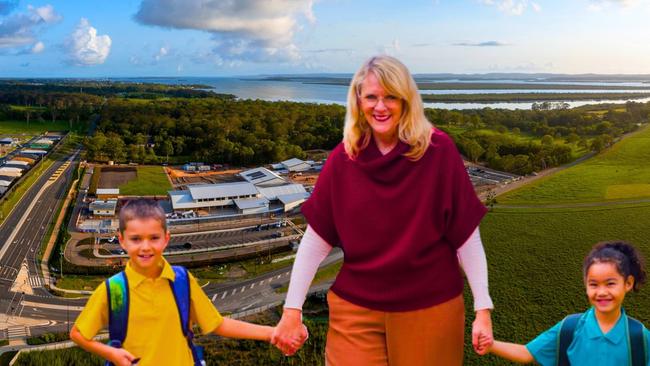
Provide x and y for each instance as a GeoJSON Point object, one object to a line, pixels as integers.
{"type": "Point", "coordinates": [413, 128]}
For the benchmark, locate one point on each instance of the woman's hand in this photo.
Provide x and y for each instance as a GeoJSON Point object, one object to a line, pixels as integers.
{"type": "Point", "coordinates": [482, 338]}
{"type": "Point", "coordinates": [290, 334]}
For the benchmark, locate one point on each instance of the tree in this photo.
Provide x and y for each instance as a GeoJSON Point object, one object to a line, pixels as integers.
{"type": "Point", "coordinates": [547, 140]}
{"type": "Point", "coordinates": [472, 149]}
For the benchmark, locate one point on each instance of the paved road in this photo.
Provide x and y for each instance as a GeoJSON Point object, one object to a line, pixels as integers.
{"type": "Point", "coordinates": [56, 313]}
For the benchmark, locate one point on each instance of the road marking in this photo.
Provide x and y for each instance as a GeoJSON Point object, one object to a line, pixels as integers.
{"type": "Point", "coordinates": [278, 277]}
{"type": "Point", "coordinates": [252, 285]}
{"type": "Point", "coordinates": [242, 289]}
{"type": "Point", "coordinates": [17, 332]}
{"type": "Point", "coordinates": [214, 297]}
{"type": "Point", "coordinates": [224, 295]}
{"type": "Point", "coordinates": [233, 292]}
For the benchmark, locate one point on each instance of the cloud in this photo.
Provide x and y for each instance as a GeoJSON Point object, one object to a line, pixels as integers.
{"type": "Point", "coordinates": [481, 44]}
{"type": "Point", "coordinates": [19, 29]}
{"type": "Point", "coordinates": [243, 30]}
{"type": "Point", "coordinates": [162, 52]}
{"type": "Point", "coordinates": [85, 47]}
{"type": "Point", "coordinates": [7, 6]}
{"type": "Point", "coordinates": [38, 47]}
{"type": "Point", "coordinates": [512, 7]}
{"type": "Point", "coordinates": [597, 5]}
{"type": "Point", "coordinates": [330, 50]}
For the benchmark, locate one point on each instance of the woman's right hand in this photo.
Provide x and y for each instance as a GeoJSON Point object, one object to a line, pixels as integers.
{"type": "Point", "coordinates": [290, 334]}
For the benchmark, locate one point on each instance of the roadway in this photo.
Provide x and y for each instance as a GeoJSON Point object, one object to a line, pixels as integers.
{"type": "Point", "coordinates": [30, 309]}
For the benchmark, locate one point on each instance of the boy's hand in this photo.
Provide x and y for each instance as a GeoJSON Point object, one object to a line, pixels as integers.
{"type": "Point", "coordinates": [290, 334]}
{"type": "Point", "coordinates": [482, 338]}
{"type": "Point", "coordinates": [121, 357]}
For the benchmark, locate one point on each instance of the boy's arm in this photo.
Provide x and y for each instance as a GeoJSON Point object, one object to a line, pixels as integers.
{"type": "Point", "coordinates": [232, 328]}
{"type": "Point", "coordinates": [119, 356]}
{"type": "Point", "coordinates": [511, 351]}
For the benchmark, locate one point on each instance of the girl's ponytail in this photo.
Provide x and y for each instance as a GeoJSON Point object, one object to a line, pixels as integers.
{"type": "Point", "coordinates": [625, 256]}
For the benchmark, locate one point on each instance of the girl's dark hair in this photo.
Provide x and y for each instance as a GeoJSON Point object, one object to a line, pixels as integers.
{"type": "Point", "coordinates": [625, 256]}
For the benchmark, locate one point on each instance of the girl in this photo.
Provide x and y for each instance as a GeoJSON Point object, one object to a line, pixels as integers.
{"type": "Point", "coordinates": [601, 335]}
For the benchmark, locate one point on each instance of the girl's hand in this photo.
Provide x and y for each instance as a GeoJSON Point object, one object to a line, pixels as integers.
{"type": "Point", "coordinates": [482, 338]}
{"type": "Point", "coordinates": [290, 334]}
{"type": "Point", "coordinates": [121, 357]}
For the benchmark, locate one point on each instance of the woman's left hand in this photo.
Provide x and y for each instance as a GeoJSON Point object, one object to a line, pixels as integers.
{"type": "Point", "coordinates": [482, 337]}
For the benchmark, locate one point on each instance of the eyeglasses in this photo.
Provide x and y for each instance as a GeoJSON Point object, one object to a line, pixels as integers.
{"type": "Point", "coordinates": [371, 100]}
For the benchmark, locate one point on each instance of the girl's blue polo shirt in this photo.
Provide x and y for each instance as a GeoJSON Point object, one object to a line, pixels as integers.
{"type": "Point", "coordinates": [590, 346]}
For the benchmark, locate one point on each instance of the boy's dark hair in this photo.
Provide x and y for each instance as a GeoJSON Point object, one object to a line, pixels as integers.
{"type": "Point", "coordinates": [623, 255]}
{"type": "Point", "coordinates": [142, 209]}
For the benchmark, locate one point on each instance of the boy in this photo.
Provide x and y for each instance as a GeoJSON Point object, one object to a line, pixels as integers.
{"type": "Point", "coordinates": [154, 335]}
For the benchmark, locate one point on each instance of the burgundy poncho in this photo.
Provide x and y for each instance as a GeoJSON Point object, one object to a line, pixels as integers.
{"type": "Point", "coordinates": [398, 222]}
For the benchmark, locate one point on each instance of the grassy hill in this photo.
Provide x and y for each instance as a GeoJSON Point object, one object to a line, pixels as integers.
{"type": "Point", "coordinates": [620, 173]}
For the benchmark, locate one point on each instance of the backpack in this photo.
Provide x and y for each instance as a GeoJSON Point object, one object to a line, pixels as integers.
{"type": "Point", "coordinates": [117, 292]}
{"type": "Point", "coordinates": [635, 340]}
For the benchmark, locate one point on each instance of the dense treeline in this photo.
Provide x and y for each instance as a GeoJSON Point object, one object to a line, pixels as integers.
{"type": "Point", "coordinates": [107, 89]}
{"type": "Point", "coordinates": [213, 130]}
{"type": "Point", "coordinates": [258, 132]}
{"type": "Point", "coordinates": [247, 132]}
{"type": "Point", "coordinates": [556, 129]}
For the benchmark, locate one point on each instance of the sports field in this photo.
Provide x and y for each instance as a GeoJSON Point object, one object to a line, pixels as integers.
{"type": "Point", "coordinates": [620, 173]}
{"type": "Point", "coordinates": [150, 180]}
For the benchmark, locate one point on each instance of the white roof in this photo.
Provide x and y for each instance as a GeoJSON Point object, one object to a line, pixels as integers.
{"type": "Point", "coordinates": [222, 190]}
{"type": "Point", "coordinates": [5, 183]}
{"type": "Point", "coordinates": [103, 205]}
{"type": "Point", "coordinates": [12, 173]}
{"type": "Point", "coordinates": [293, 197]}
{"type": "Point", "coordinates": [292, 162]}
{"type": "Point", "coordinates": [272, 193]}
{"type": "Point", "coordinates": [7, 169]}
{"type": "Point", "coordinates": [17, 162]}
{"type": "Point", "coordinates": [261, 175]}
{"type": "Point", "coordinates": [108, 191]}
{"type": "Point", "coordinates": [44, 141]}
{"type": "Point", "coordinates": [181, 199]}
{"type": "Point", "coordinates": [244, 204]}
{"type": "Point", "coordinates": [34, 151]}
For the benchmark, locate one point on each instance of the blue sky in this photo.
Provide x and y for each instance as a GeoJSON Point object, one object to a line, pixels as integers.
{"type": "Point", "coordinates": [93, 38]}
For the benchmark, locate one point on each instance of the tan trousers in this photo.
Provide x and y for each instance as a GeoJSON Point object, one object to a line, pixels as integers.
{"type": "Point", "coordinates": [362, 337]}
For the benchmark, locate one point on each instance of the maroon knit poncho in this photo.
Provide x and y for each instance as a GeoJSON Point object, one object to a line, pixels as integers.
{"type": "Point", "coordinates": [398, 222]}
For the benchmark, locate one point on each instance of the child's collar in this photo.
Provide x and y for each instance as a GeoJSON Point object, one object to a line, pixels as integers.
{"type": "Point", "coordinates": [135, 278]}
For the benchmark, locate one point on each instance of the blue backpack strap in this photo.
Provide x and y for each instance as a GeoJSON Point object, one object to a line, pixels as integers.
{"type": "Point", "coordinates": [636, 342]}
{"type": "Point", "coordinates": [117, 293]}
{"type": "Point", "coordinates": [564, 339]}
{"type": "Point", "coordinates": [181, 289]}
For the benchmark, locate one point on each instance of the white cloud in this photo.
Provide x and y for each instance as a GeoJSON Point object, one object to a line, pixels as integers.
{"type": "Point", "coordinates": [511, 7]}
{"type": "Point", "coordinates": [162, 52]}
{"type": "Point", "coordinates": [19, 29]}
{"type": "Point", "coordinates": [481, 44]}
{"type": "Point", "coordinates": [598, 5]}
{"type": "Point", "coordinates": [536, 7]}
{"type": "Point", "coordinates": [85, 47]}
{"type": "Point", "coordinates": [243, 30]}
{"type": "Point", "coordinates": [38, 47]}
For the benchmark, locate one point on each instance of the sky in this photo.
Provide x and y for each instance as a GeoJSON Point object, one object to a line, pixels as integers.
{"type": "Point", "coordinates": [215, 38]}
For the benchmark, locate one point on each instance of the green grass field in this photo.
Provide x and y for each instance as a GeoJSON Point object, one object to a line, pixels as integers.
{"type": "Point", "coordinates": [619, 173]}
{"type": "Point", "coordinates": [36, 127]}
{"type": "Point", "coordinates": [152, 180]}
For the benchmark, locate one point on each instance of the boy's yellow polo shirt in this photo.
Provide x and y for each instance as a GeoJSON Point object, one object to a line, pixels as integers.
{"type": "Point", "coordinates": [154, 329]}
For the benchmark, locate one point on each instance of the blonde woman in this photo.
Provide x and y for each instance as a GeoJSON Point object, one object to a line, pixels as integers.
{"type": "Point", "coordinates": [395, 197]}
